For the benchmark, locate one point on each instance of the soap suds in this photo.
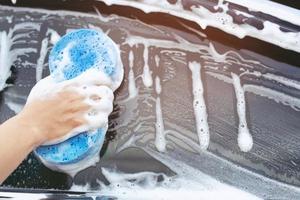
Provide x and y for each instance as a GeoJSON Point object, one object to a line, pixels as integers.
{"type": "Point", "coordinates": [157, 85]}
{"type": "Point", "coordinates": [199, 33]}
{"type": "Point", "coordinates": [14, 101]}
{"type": "Point", "coordinates": [147, 74]}
{"type": "Point", "coordinates": [189, 183]}
{"type": "Point", "coordinates": [4, 59]}
{"type": "Point", "coordinates": [207, 52]}
{"type": "Point", "coordinates": [160, 140]}
{"type": "Point", "coordinates": [223, 21]}
{"type": "Point", "coordinates": [245, 140]}
{"type": "Point", "coordinates": [132, 89]}
{"type": "Point", "coordinates": [9, 54]}
{"type": "Point", "coordinates": [23, 195]}
{"type": "Point", "coordinates": [41, 60]}
{"type": "Point", "coordinates": [170, 188]}
{"type": "Point", "coordinates": [54, 36]}
{"type": "Point", "coordinates": [274, 9]}
{"type": "Point", "coordinates": [283, 80]}
{"type": "Point", "coordinates": [199, 105]}
{"type": "Point", "coordinates": [157, 60]}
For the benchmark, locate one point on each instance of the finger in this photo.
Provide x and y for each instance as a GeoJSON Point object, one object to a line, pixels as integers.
{"type": "Point", "coordinates": [71, 96]}
{"type": "Point", "coordinates": [79, 106]}
{"type": "Point", "coordinates": [80, 119]}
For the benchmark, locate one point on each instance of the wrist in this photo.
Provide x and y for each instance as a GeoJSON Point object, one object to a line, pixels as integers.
{"type": "Point", "coordinates": [29, 130]}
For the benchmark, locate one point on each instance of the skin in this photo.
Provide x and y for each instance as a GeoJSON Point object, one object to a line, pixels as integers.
{"type": "Point", "coordinates": [37, 123]}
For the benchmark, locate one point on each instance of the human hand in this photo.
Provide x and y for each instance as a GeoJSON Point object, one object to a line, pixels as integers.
{"type": "Point", "coordinates": [52, 118]}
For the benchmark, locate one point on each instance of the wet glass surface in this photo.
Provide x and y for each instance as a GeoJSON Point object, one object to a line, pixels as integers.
{"type": "Point", "coordinates": [167, 47]}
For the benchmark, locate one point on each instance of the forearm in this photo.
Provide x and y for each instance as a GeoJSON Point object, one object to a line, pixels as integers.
{"type": "Point", "coordinates": [37, 124]}
{"type": "Point", "coordinates": [16, 142]}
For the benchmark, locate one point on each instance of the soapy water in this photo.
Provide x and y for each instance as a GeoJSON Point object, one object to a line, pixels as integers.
{"type": "Point", "coordinates": [8, 53]}
{"type": "Point", "coordinates": [220, 17]}
{"type": "Point", "coordinates": [149, 185]}
{"type": "Point", "coordinates": [155, 112]}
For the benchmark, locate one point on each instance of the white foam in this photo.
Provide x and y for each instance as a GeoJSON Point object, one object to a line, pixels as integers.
{"type": "Point", "coordinates": [160, 140]}
{"type": "Point", "coordinates": [147, 74]}
{"type": "Point", "coordinates": [245, 140]}
{"type": "Point", "coordinates": [157, 85]}
{"type": "Point", "coordinates": [14, 101]}
{"type": "Point", "coordinates": [132, 89]}
{"type": "Point", "coordinates": [198, 32]}
{"type": "Point", "coordinates": [244, 14]}
{"type": "Point", "coordinates": [15, 107]}
{"type": "Point", "coordinates": [54, 36]}
{"type": "Point", "coordinates": [283, 80]}
{"type": "Point", "coordinates": [23, 195]}
{"type": "Point", "coordinates": [105, 18]}
{"type": "Point", "coordinates": [4, 59]}
{"type": "Point", "coordinates": [189, 183]}
{"type": "Point", "coordinates": [277, 78]}
{"type": "Point", "coordinates": [157, 60]}
{"type": "Point", "coordinates": [221, 20]}
{"type": "Point", "coordinates": [207, 51]}
{"type": "Point", "coordinates": [277, 10]}
{"type": "Point", "coordinates": [41, 60]}
{"type": "Point", "coordinates": [186, 190]}
{"type": "Point", "coordinates": [8, 54]}
{"type": "Point", "coordinates": [199, 105]}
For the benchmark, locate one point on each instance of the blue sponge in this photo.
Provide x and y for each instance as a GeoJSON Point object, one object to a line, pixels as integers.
{"type": "Point", "coordinates": [86, 49]}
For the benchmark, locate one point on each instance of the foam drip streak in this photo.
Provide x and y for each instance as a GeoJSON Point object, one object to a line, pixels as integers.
{"type": "Point", "coordinates": [4, 59]}
{"type": "Point", "coordinates": [160, 140]}
{"type": "Point", "coordinates": [199, 105]}
{"type": "Point", "coordinates": [54, 36]}
{"type": "Point", "coordinates": [245, 140]}
{"type": "Point", "coordinates": [41, 60]}
{"type": "Point", "coordinates": [147, 78]}
{"type": "Point", "coordinates": [8, 54]}
{"type": "Point", "coordinates": [133, 91]}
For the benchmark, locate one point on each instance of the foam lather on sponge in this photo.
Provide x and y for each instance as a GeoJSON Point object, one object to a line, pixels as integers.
{"type": "Point", "coordinates": [91, 60]}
